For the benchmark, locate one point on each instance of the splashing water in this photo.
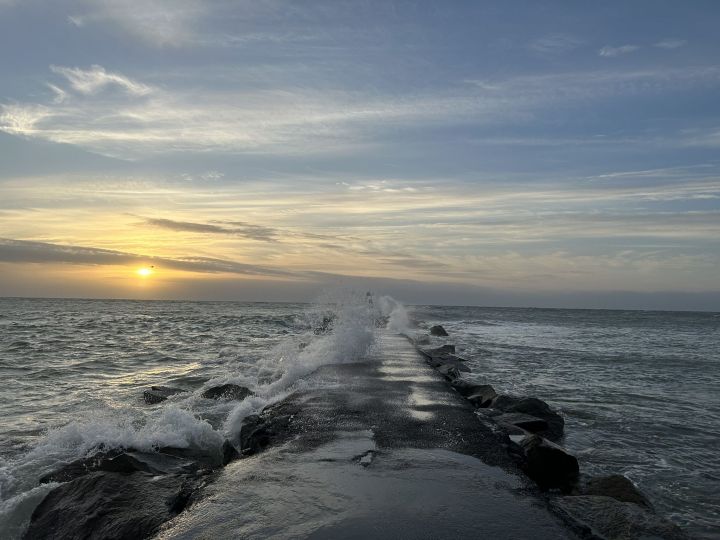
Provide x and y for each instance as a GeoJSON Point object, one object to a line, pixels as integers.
{"type": "Point", "coordinates": [267, 348]}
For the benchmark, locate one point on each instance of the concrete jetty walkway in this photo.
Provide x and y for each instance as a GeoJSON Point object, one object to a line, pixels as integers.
{"type": "Point", "coordinates": [387, 450]}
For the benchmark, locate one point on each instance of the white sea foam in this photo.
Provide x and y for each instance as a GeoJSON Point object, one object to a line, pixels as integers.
{"type": "Point", "coordinates": [398, 319]}
{"type": "Point", "coordinates": [341, 328]}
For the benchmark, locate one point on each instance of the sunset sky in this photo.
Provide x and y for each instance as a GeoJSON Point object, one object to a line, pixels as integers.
{"type": "Point", "coordinates": [492, 153]}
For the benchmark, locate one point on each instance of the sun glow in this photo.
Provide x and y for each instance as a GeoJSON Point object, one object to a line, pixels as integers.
{"type": "Point", "coordinates": [145, 271]}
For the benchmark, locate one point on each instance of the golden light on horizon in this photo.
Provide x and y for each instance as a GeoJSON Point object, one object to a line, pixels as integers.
{"type": "Point", "coordinates": [145, 271]}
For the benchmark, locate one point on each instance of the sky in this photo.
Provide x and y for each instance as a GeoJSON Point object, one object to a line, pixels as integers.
{"type": "Point", "coordinates": [522, 153]}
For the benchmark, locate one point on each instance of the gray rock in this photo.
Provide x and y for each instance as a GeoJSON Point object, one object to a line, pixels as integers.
{"type": "Point", "coordinates": [616, 486]}
{"type": "Point", "coordinates": [156, 394]}
{"type": "Point", "coordinates": [260, 431]}
{"type": "Point", "coordinates": [108, 505]}
{"type": "Point", "coordinates": [229, 452]}
{"type": "Point", "coordinates": [523, 421]}
{"type": "Point", "coordinates": [451, 371]}
{"type": "Point", "coordinates": [438, 330]}
{"type": "Point", "coordinates": [550, 465]}
{"type": "Point", "coordinates": [533, 407]}
{"type": "Point", "coordinates": [482, 396]}
{"type": "Point", "coordinates": [465, 387]}
{"type": "Point", "coordinates": [227, 391]}
{"type": "Point", "coordinates": [445, 349]}
{"type": "Point", "coordinates": [609, 518]}
{"type": "Point", "coordinates": [111, 461]}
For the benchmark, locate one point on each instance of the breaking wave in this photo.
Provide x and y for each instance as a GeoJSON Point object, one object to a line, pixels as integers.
{"type": "Point", "coordinates": [339, 327]}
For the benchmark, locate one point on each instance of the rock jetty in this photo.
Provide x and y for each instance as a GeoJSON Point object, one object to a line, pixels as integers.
{"type": "Point", "coordinates": [405, 447]}
{"type": "Point", "coordinates": [608, 507]}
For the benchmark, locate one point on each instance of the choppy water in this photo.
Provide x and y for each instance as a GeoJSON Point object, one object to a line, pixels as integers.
{"type": "Point", "coordinates": [638, 389]}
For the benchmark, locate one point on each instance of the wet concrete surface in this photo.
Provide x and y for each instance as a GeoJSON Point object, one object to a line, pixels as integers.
{"type": "Point", "coordinates": [388, 450]}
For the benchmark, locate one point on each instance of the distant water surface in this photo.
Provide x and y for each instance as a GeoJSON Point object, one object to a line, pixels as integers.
{"type": "Point", "coordinates": [639, 390]}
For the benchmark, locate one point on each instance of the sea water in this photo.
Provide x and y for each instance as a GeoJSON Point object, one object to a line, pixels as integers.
{"type": "Point", "coordinates": [638, 389]}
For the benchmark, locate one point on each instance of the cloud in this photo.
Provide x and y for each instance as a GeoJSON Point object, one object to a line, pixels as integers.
{"type": "Point", "coordinates": [236, 228]}
{"type": "Point", "coordinates": [609, 51]}
{"type": "Point", "coordinates": [670, 43]}
{"type": "Point", "coordinates": [90, 81]}
{"type": "Point", "coordinates": [291, 120]}
{"type": "Point", "coordinates": [24, 251]}
{"type": "Point", "coordinates": [555, 44]}
{"type": "Point", "coordinates": [158, 22]}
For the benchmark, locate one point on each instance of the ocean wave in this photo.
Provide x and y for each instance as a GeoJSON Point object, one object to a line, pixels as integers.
{"type": "Point", "coordinates": [340, 327]}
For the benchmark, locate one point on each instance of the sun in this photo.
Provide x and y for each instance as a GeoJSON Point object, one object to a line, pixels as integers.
{"type": "Point", "coordinates": [145, 271]}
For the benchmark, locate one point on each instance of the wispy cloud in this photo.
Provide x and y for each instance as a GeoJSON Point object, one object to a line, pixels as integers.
{"type": "Point", "coordinates": [671, 43]}
{"type": "Point", "coordinates": [295, 120]}
{"type": "Point", "coordinates": [159, 22]}
{"type": "Point", "coordinates": [90, 81]}
{"type": "Point", "coordinates": [234, 228]}
{"type": "Point", "coordinates": [24, 251]}
{"type": "Point", "coordinates": [554, 44]}
{"type": "Point", "coordinates": [609, 51]}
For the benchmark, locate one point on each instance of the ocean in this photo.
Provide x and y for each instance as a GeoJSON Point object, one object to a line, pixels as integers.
{"type": "Point", "coordinates": [639, 390]}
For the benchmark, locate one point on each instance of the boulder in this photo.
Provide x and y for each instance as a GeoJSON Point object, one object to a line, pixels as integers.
{"type": "Point", "coordinates": [227, 391]}
{"type": "Point", "coordinates": [156, 394]}
{"type": "Point", "coordinates": [166, 460]}
{"type": "Point", "coordinates": [533, 407]}
{"type": "Point", "coordinates": [438, 330]}
{"type": "Point", "coordinates": [108, 505]}
{"type": "Point", "coordinates": [550, 465]}
{"type": "Point", "coordinates": [116, 460]}
{"type": "Point", "coordinates": [193, 458]}
{"type": "Point", "coordinates": [449, 371]}
{"type": "Point", "coordinates": [526, 422]}
{"type": "Point", "coordinates": [445, 349]}
{"type": "Point", "coordinates": [260, 431]}
{"type": "Point", "coordinates": [229, 452]}
{"type": "Point", "coordinates": [616, 486]}
{"type": "Point", "coordinates": [465, 387]}
{"type": "Point", "coordinates": [606, 517]}
{"type": "Point", "coordinates": [482, 395]}
{"type": "Point", "coordinates": [439, 360]}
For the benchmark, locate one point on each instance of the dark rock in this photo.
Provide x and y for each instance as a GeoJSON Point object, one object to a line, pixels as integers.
{"type": "Point", "coordinates": [156, 394]}
{"type": "Point", "coordinates": [482, 395]}
{"type": "Point", "coordinates": [227, 391]}
{"type": "Point", "coordinates": [533, 407]}
{"type": "Point", "coordinates": [523, 421]}
{"type": "Point", "coordinates": [445, 349]}
{"type": "Point", "coordinates": [438, 330]}
{"type": "Point", "coordinates": [436, 362]}
{"type": "Point", "coordinates": [424, 340]}
{"type": "Point", "coordinates": [616, 486]}
{"type": "Point", "coordinates": [439, 360]}
{"type": "Point", "coordinates": [111, 461]}
{"type": "Point", "coordinates": [106, 505]}
{"type": "Point", "coordinates": [193, 458]}
{"type": "Point", "coordinates": [550, 465]}
{"type": "Point", "coordinates": [229, 453]}
{"type": "Point", "coordinates": [449, 371]}
{"type": "Point", "coordinates": [606, 517]}
{"type": "Point", "coordinates": [465, 387]}
{"type": "Point", "coordinates": [260, 431]}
